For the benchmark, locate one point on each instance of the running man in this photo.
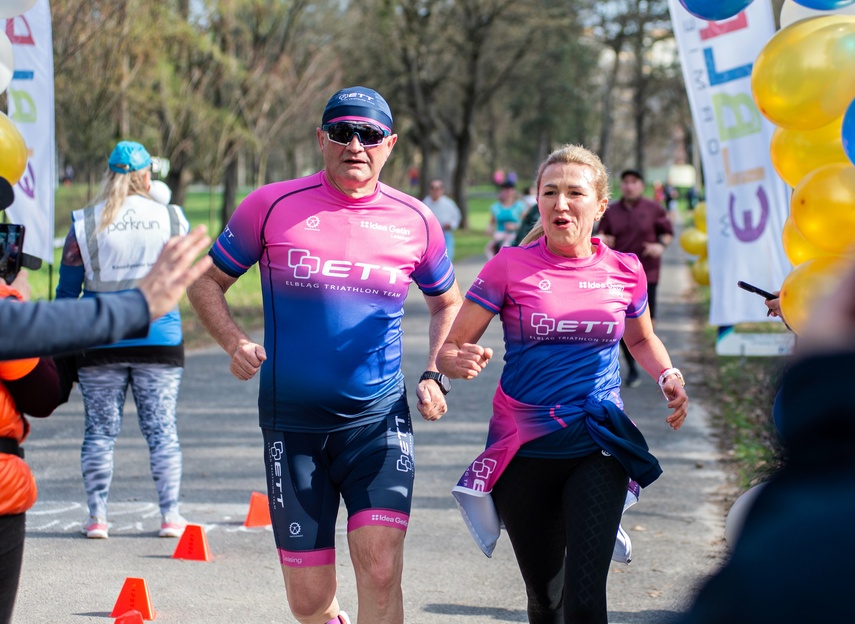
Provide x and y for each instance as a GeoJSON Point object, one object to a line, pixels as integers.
{"type": "Point", "coordinates": [337, 251]}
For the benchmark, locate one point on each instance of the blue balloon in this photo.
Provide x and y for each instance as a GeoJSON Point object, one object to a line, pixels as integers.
{"type": "Point", "coordinates": [848, 132]}
{"type": "Point", "coordinates": [714, 10]}
{"type": "Point", "coordinates": [824, 5]}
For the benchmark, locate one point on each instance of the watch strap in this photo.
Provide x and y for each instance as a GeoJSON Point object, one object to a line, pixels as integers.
{"type": "Point", "coordinates": [437, 377]}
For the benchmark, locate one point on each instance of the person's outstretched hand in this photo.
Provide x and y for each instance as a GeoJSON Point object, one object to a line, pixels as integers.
{"type": "Point", "coordinates": [175, 270]}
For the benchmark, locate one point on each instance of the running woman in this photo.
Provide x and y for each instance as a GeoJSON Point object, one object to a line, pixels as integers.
{"type": "Point", "coordinates": [337, 252]}
{"type": "Point", "coordinates": [560, 450]}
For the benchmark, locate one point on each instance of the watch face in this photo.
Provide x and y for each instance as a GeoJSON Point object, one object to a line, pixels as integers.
{"type": "Point", "coordinates": [443, 381]}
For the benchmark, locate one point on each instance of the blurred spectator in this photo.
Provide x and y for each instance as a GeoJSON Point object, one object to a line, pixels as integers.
{"type": "Point", "coordinates": [532, 214]}
{"type": "Point", "coordinates": [791, 563]}
{"type": "Point", "coordinates": [446, 212]}
{"type": "Point", "coordinates": [636, 224]}
{"type": "Point", "coordinates": [505, 217]}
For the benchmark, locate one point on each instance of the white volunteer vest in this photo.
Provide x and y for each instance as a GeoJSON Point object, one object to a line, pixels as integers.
{"type": "Point", "coordinates": [122, 253]}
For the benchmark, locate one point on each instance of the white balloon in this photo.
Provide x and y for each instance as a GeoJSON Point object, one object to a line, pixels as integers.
{"type": "Point", "coordinates": [7, 61]}
{"type": "Point", "coordinates": [738, 512]}
{"type": "Point", "coordinates": [13, 8]}
{"type": "Point", "coordinates": [793, 12]}
{"type": "Point", "coordinates": [160, 192]}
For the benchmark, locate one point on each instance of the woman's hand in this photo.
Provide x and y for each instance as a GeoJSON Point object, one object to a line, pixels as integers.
{"type": "Point", "coordinates": [678, 401]}
{"type": "Point", "coordinates": [463, 363]}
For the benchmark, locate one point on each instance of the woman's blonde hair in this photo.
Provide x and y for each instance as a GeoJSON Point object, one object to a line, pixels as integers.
{"type": "Point", "coordinates": [115, 189]}
{"type": "Point", "coordinates": [572, 155]}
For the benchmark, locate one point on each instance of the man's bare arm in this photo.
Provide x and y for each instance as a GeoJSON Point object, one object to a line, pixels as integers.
{"type": "Point", "coordinates": [208, 298]}
{"type": "Point", "coordinates": [443, 310]}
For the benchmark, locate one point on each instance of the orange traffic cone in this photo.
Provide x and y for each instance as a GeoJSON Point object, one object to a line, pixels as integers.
{"type": "Point", "coordinates": [131, 617]}
{"type": "Point", "coordinates": [193, 544]}
{"type": "Point", "coordinates": [259, 511]}
{"type": "Point", "coordinates": [134, 597]}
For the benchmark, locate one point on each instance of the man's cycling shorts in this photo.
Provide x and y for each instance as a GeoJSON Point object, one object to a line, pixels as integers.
{"type": "Point", "coordinates": [370, 467]}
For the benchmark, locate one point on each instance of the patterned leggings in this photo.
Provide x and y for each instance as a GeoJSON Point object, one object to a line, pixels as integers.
{"type": "Point", "coordinates": [155, 390]}
{"type": "Point", "coordinates": [562, 516]}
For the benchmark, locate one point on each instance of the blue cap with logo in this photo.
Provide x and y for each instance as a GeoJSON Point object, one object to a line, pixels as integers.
{"type": "Point", "coordinates": [360, 103]}
{"type": "Point", "coordinates": [129, 156]}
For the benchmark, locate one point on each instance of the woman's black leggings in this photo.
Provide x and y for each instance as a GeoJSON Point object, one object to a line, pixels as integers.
{"type": "Point", "coordinates": [562, 516]}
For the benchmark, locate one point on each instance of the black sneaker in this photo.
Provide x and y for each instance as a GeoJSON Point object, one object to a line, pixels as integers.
{"type": "Point", "coordinates": [633, 380]}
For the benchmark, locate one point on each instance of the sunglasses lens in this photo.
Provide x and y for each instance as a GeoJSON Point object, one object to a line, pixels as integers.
{"type": "Point", "coordinates": [342, 132]}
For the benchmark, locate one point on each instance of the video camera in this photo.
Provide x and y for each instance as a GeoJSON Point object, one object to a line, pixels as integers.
{"type": "Point", "coordinates": [12, 256]}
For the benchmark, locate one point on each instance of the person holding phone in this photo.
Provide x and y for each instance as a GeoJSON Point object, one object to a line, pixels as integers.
{"type": "Point", "coordinates": [792, 561]}
{"type": "Point", "coordinates": [111, 245]}
{"type": "Point", "coordinates": [774, 305]}
{"type": "Point", "coordinates": [771, 299]}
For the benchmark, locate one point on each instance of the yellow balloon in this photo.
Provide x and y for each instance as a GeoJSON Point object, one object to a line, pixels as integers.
{"type": "Point", "coordinates": [701, 271]}
{"type": "Point", "coordinates": [808, 284]}
{"type": "Point", "coordinates": [797, 248]}
{"type": "Point", "coordinates": [13, 151]}
{"type": "Point", "coordinates": [795, 153]}
{"type": "Point", "coordinates": [693, 241]}
{"type": "Point", "coordinates": [823, 207]}
{"type": "Point", "coordinates": [802, 78]}
{"type": "Point", "coordinates": [700, 216]}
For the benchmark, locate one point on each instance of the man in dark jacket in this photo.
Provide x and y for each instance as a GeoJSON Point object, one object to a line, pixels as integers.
{"type": "Point", "coordinates": [636, 224]}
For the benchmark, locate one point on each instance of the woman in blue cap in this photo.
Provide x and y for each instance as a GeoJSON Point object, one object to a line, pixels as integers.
{"type": "Point", "coordinates": [112, 244]}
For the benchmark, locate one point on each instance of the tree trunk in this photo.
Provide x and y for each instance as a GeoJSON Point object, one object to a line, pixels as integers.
{"type": "Point", "coordinates": [606, 127]}
{"type": "Point", "coordinates": [230, 176]}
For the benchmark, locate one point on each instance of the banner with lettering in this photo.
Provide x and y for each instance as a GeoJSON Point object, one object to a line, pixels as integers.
{"type": "Point", "coordinates": [31, 108]}
{"type": "Point", "coordinates": [747, 203]}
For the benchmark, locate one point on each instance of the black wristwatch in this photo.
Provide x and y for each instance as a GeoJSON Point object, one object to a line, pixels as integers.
{"type": "Point", "coordinates": [443, 381]}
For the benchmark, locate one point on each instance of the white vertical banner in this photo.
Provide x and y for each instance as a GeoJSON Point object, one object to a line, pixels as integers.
{"type": "Point", "coordinates": [747, 203]}
{"type": "Point", "coordinates": [31, 108]}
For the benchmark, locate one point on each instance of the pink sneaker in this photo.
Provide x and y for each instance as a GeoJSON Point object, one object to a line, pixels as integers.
{"type": "Point", "coordinates": [95, 528]}
{"type": "Point", "coordinates": [172, 525]}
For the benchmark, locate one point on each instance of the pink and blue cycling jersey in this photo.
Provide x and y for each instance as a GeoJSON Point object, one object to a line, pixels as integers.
{"type": "Point", "coordinates": [563, 319]}
{"type": "Point", "coordinates": [334, 275]}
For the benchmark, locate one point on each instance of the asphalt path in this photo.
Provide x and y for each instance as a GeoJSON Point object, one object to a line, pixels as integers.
{"type": "Point", "coordinates": [676, 528]}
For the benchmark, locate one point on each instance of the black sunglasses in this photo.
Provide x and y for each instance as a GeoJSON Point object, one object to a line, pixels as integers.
{"type": "Point", "coordinates": [342, 132]}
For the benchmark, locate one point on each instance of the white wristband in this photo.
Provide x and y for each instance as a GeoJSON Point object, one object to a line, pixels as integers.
{"type": "Point", "coordinates": [666, 374]}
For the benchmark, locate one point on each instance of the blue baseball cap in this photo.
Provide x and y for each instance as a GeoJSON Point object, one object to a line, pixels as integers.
{"type": "Point", "coordinates": [129, 156]}
{"type": "Point", "coordinates": [358, 103]}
